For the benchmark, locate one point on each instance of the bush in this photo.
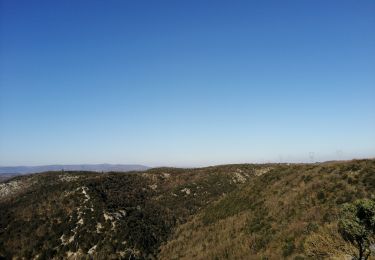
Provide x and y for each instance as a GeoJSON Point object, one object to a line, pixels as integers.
{"type": "Point", "coordinates": [288, 248]}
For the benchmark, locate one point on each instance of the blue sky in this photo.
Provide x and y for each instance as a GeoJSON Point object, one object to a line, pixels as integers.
{"type": "Point", "coordinates": [186, 83]}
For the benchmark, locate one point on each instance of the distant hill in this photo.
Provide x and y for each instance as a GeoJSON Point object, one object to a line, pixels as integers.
{"type": "Point", "coordinates": [17, 170]}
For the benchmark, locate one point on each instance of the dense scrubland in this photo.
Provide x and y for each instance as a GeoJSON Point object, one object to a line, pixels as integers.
{"type": "Point", "coordinates": [243, 211]}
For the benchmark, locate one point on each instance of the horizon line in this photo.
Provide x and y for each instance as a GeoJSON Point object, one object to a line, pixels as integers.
{"type": "Point", "coordinates": [201, 166]}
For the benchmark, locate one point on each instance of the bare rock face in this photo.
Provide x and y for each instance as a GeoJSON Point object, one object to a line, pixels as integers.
{"type": "Point", "coordinates": [13, 187]}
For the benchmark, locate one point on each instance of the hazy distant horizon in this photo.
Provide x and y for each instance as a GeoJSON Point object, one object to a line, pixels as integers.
{"type": "Point", "coordinates": [192, 165]}
{"type": "Point", "coordinates": [186, 83]}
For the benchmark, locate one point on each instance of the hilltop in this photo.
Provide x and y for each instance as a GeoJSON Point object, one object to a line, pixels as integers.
{"type": "Point", "coordinates": [241, 211]}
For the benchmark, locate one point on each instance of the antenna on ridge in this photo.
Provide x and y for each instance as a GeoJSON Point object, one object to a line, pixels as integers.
{"type": "Point", "coordinates": [311, 156]}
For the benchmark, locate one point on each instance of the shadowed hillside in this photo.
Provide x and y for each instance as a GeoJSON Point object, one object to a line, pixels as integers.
{"type": "Point", "coordinates": [269, 211]}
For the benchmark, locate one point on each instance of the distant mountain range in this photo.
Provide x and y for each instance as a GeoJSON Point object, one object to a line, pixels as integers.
{"type": "Point", "coordinates": [14, 170]}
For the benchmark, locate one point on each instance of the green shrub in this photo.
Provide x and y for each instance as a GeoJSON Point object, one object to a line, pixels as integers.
{"type": "Point", "coordinates": [288, 248]}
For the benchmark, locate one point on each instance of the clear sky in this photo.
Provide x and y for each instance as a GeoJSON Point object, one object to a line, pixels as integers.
{"type": "Point", "coordinates": [186, 83]}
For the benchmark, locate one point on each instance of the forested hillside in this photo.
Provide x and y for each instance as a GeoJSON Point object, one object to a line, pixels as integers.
{"type": "Point", "coordinates": [244, 211]}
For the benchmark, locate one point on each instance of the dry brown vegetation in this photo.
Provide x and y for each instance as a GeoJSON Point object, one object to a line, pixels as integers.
{"type": "Point", "coordinates": [290, 212]}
